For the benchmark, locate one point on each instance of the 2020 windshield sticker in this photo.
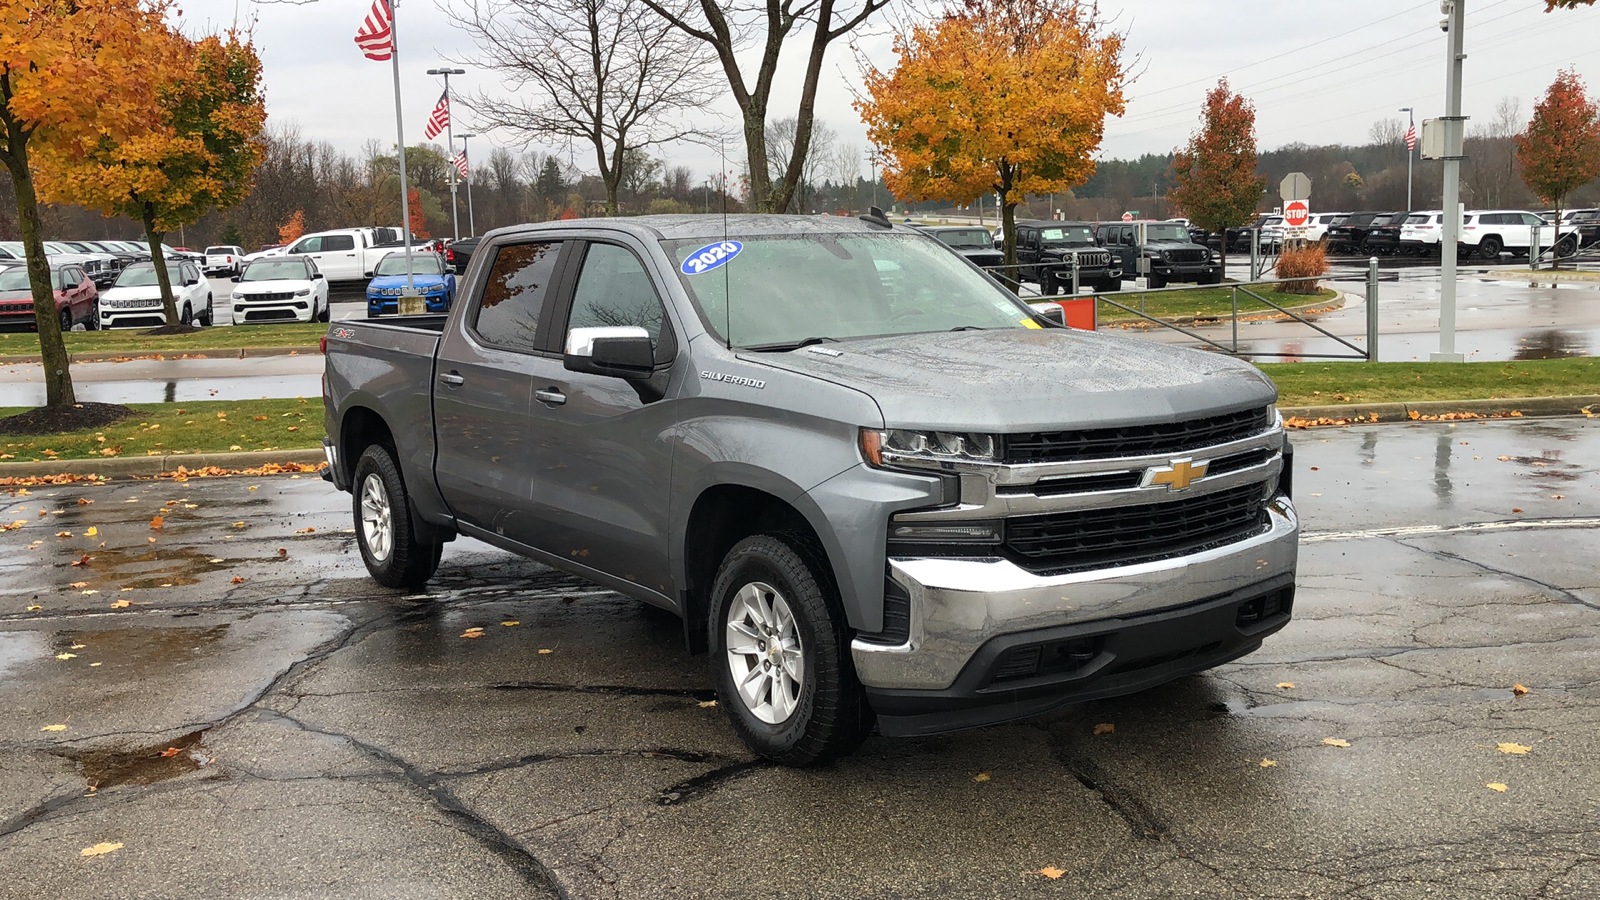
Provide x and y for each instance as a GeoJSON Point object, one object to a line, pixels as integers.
{"type": "Point", "coordinates": [711, 256]}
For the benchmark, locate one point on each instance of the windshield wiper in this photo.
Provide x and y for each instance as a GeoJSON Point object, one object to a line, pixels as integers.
{"type": "Point", "coordinates": [791, 345]}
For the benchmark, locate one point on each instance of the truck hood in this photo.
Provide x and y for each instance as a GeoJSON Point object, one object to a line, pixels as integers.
{"type": "Point", "coordinates": [1025, 380]}
{"type": "Point", "coordinates": [274, 286]}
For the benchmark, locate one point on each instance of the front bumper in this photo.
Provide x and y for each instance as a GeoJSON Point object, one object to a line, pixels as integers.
{"type": "Point", "coordinates": [377, 306]}
{"type": "Point", "coordinates": [1183, 271]}
{"type": "Point", "coordinates": [1139, 625]}
{"type": "Point", "coordinates": [296, 310]}
{"type": "Point", "coordinates": [135, 317]}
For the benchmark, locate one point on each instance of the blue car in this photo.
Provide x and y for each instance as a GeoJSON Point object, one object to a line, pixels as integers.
{"type": "Point", "coordinates": [430, 278]}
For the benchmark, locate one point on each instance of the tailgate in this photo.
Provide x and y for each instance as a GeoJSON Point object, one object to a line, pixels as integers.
{"type": "Point", "coordinates": [383, 370]}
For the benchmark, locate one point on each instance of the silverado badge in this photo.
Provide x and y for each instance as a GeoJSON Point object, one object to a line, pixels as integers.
{"type": "Point", "coordinates": [1177, 476]}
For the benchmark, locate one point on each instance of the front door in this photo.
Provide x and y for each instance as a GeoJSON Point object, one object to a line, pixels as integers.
{"type": "Point", "coordinates": [483, 387]}
{"type": "Point", "coordinates": [600, 449]}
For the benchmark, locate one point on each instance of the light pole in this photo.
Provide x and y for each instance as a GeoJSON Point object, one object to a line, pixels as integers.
{"type": "Point", "coordinates": [449, 141]}
{"type": "Point", "coordinates": [1411, 123]}
{"type": "Point", "coordinates": [1451, 125]}
{"type": "Point", "coordinates": [472, 222]}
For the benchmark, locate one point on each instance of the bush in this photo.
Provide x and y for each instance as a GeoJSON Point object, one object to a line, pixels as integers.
{"type": "Point", "coordinates": [1307, 261]}
{"type": "Point", "coordinates": [668, 206]}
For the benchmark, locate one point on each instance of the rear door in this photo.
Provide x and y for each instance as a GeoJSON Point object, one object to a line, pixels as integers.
{"type": "Point", "coordinates": [600, 453]}
{"type": "Point", "coordinates": [339, 259]}
{"type": "Point", "coordinates": [483, 387]}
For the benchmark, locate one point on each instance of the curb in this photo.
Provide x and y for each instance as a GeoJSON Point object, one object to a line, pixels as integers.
{"type": "Point", "coordinates": [213, 353]}
{"type": "Point", "coordinates": [1546, 275]}
{"type": "Point", "coordinates": [1527, 407]}
{"type": "Point", "coordinates": [161, 465]}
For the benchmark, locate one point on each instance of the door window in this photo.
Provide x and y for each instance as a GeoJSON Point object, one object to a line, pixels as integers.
{"type": "Point", "coordinates": [1531, 219]}
{"type": "Point", "coordinates": [614, 290]}
{"type": "Point", "coordinates": [514, 297]}
{"type": "Point", "coordinates": [338, 242]}
{"type": "Point", "coordinates": [309, 245]}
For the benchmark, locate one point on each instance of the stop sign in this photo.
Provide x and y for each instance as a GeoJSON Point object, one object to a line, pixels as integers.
{"type": "Point", "coordinates": [1127, 217]}
{"type": "Point", "coordinates": [1296, 213]}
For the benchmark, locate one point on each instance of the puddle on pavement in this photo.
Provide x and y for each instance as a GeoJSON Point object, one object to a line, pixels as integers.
{"type": "Point", "coordinates": [155, 649]}
{"type": "Point", "coordinates": [17, 647]}
{"type": "Point", "coordinates": [107, 768]}
{"type": "Point", "coordinates": [154, 567]}
{"type": "Point", "coordinates": [1548, 466]}
{"type": "Point", "coordinates": [1552, 344]}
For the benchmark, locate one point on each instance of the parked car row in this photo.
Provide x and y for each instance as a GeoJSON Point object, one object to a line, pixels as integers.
{"type": "Point", "coordinates": [1417, 233]}
{"type": "Point", "coordinates": [1103, 253]}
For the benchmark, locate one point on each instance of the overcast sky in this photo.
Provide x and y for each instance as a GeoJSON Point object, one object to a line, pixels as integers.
{"type": "Point", "coordinates": [1318, 72]}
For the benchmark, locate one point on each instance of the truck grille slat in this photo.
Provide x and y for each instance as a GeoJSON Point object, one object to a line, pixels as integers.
{"type": "Point", "coordinates": [1091, 539]}
{"type": "Point", "coordinates": [1136, 440]}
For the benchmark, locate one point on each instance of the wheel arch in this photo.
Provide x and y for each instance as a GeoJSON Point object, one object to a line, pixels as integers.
{"type": "Point", "coordinates": [361, 427]}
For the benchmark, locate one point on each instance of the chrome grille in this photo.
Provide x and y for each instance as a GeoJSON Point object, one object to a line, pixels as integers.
{"type": "Point", "coordinates": [1136, 440]}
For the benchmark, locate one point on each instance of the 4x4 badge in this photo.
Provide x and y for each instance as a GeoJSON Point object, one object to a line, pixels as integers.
{"type": "Point", "coordinates": [1177, 476]}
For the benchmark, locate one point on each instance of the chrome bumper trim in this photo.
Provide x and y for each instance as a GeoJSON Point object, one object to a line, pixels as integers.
{"type": "Point", "coordinates": [958, 604]}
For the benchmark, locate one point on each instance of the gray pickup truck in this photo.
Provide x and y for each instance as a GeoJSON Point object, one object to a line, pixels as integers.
{"type": "Point", "coordinates": [876, 487]}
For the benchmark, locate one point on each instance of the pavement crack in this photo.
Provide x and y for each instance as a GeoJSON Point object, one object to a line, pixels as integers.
{"type": "Point", "coordinates": [1557, 590]}
{"type": "Point", "coordinates": [433, 788]}
{"type": "Point", "coordinates": [1141, 820]}
{"type": "Point", "coordinates": [705, 783]}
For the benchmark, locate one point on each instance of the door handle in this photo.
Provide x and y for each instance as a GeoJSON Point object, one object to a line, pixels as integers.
{"type": "Point", "coordinates": [452, 379]}
{"type": "Point", "coordinates": [550, 397]}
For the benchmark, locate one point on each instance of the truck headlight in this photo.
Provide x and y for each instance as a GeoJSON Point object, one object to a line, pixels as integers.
{"type": "Point", "coordinates": [982, 532]}
{"type": "Point", "coordinates": [926, 449]}
{"type": "Point", "coordinates": [304, 293]}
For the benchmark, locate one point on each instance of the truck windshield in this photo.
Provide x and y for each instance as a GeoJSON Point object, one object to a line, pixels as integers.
{"type": "Point", "coordinates": [1072, 235]}
{"type": "Point", "coordinates": [14, 278]}
{"type": "Point", "coordinates": [274, 270]}
{"type": "Point", "coordinates": [395, 264]}
{"type": "Point", "coordinates": [776, 291]}
{"type": "Point", "coordinates": [966, 239]}
{"type": "Point", "coordinates": [1170, 232]}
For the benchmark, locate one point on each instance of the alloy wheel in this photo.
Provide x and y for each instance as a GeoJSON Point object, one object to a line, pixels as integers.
{"type": "Point", "coordinates": [765, 654]}
{"type": "Point", "coordinates": [377, 522]}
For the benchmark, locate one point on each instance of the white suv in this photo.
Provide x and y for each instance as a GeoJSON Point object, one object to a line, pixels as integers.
{"type": "Point", "coordinates": [1316, 227]}
{"type": "Point", "coordinates": [1491, 231]}
{"type": "Point", "coordinates": [1420, 232]}
{"type": "Point", "coordinates": [224, 260]}
{"type": "Point", "coordinates": [134, 301]}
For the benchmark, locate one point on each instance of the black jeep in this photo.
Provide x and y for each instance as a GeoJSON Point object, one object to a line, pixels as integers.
{"type": "Point", "coordinates": [1172, 255]}
{"type": "Point", "coordinates": [1045, 251]}
{"type": "Point", "coordinates": [971, 241]}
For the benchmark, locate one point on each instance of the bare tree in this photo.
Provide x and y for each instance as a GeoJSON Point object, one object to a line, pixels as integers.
{"type": "Point", "coordinates": [729, 27]}
{"type": "Point", "coordinates": [1387, 132]}
{"type": "Point", "coordinates": [815, 162]}
{"type": "Point", "coordinates": [600, 73]}
{"type": "Point", "coordinates": [846, 164]}
{"type": "Point", "coordinates": [1490, 178]}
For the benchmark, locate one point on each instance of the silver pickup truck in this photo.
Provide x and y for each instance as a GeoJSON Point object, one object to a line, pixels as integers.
{"type": "Point", "coordinates": [876, 487]}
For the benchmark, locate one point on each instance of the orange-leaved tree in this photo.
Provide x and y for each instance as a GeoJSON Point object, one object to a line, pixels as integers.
{"type": "Point", "coordinates": [1560, 149]}
{"type": "Point", "coordinates": [290, 231]}
{"type": "Point", "coordinates": [200, 154]}
{"type": "Point", "coordinates": [419, 219]}
{"type": "Point", "coordinates": [1215, 183]}
{"type": "Point", "coordinates": [998, 96]}
{"type": "Point", "coordinates": [74, 75]}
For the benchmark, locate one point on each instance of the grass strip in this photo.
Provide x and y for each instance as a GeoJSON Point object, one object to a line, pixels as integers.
{"type": "Point", "coordinates": [1208, 302]}
{"type": "Point", "coordinates": [131, 341]}
{"type": "Point", "coordinates": [1340, 383]}
{"type": "Point", "coordinates": [206, 426]}
{"type": "Point", "coordinates": [221, 426]}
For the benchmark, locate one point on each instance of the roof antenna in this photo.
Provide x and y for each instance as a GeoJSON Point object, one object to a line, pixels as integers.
{"type": "Point", "coordinates": [876, 217]}
{"type": "Point", "coordinates": [727, 283]}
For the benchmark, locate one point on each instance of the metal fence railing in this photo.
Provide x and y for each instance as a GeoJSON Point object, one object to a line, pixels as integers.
{"type": "Point", "coordinates": [1254, 290]}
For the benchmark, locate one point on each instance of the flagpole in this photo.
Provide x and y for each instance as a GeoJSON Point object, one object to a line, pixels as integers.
{"type": "Point", "coordinates": [400, 137]}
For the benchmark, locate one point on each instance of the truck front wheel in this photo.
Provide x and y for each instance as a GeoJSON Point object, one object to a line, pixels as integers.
{"type": "Point", "coordinates": [389, 547]}
{"type": "Point", "coordinates": [782, 656]}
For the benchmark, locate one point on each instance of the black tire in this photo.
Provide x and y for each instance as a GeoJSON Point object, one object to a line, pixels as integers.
{"type": "Point", "coordinates": [408, 562]}
{"type": "Point", "coordinates": [1109, 285]}
{"type": "Point", "coordinates": [327, 310]}
{"type": "Point", "coordinates": [1567, 246]}
{"type": "Point", "coordinates": [66, 319]}
{"type": "Point", "coordinates": [1153, 281]}
{"type": "Point", "coordinates": [1047, 283]}
{"type": "Point", "coordinates": [1489, 248]}
{"type": "Point", "coordinates": [93, 322]}
{"type": "Point", "coordinates": [830, 716]}
{"type": "Point", "coordinates": [211, 305]}
{"type": "Point", "coordinates": [185, 315]}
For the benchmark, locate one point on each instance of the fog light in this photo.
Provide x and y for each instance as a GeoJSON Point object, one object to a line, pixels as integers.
{"type": "Point", "coordinates": [946, 533]}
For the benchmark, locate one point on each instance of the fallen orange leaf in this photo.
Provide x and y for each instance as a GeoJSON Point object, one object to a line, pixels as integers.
{"type": "Point", "coordinates": [1503, 746]}
{"type": "Point", "coordinates": [1268, 763]}
{"type": "Point", "coordinates": [54, 728]}
{"type": "Point", "coordinates": [1052, 873]}
{"type": "Point", "coordinates": [91, 531]}
{"type": "Point", "coordinates": [170, 752]}
{"type": "Point", "coordinates": [305, 531]}
{"type": "Point", "coordinates": [120, 604]}
{"type": "Point", "coordinates": [1105, 728]}
{"type": "Point", "coordinates": [1496, 786]}
{"type": "Point", "coordinates": [1518, 690]}
{"type": "Point", "coordinates": [100, 849]}
{"type": "Point", "coordinates": [157, 522]}
{"type": "Point", "coordinates": [1286, 685]}
{"type": "Point", "coordinates": [1336, 742]}
{"type": "Point", "coordinates": [981, 777]}
{"type": "Point", "coordinates": [237, 579]}
{"type": "Point", "coordinates": [511, 623]}
{"type": "Point", "coordinates": [84, 501]}
{"type": "Point", "coordinates": [79, 584]}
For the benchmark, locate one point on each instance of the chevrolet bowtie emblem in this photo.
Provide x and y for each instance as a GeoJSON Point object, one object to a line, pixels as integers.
{"type": "Point", "coordinates": [1177, 476]}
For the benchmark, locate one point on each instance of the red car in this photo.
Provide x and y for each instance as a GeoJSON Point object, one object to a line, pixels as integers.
{"type": "Point", "coordinates": [77, 300]}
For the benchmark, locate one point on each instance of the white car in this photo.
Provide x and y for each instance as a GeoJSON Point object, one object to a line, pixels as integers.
{"type": "Point", "coordinates": [224, 260]}
{"type": "Point", "coordinates": [1488, 232]}
{"type": "Point", "coordinates": [1272, 231]}
{"type": "Point", "coordinates": [1316, 227]}
{"type": "Point", "coordinates": [281, 289]}
{"type": "Point", "coordinates": [134, 301]}
{"type": "Point", "coordinates": [265, 254]}
{"type": "Point", "coordinates": [1420, 232]}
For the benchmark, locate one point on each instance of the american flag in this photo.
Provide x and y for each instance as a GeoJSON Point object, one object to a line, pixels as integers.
{"type": "Point", "coordinates": [440, 118]}
{"type": "Point", "coordinates": [376, 36]}
{"type": "Point", "coordinates": [460, 161]}
{"type": "Point", "coordinates": [1411, 137]}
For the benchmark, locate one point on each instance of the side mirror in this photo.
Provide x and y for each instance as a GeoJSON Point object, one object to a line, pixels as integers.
{"type": "Point", "coordinates": [234, 278]}
{"type": "Point", "coordinates": [618, 352]}
{"type": "Point", "coordinates": [370, 274]}
{"type": "Point", "coordinates": [317, 276]}
{"type": "Point", "coordinates": [1051, 312]}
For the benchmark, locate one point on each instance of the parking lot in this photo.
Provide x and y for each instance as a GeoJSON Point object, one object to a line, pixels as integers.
{"type": "Point", "coordinates": [231, 701]}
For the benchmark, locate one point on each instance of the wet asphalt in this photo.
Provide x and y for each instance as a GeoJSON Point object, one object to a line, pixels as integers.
{"type": "Point", "coordinates": [261, 720]}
